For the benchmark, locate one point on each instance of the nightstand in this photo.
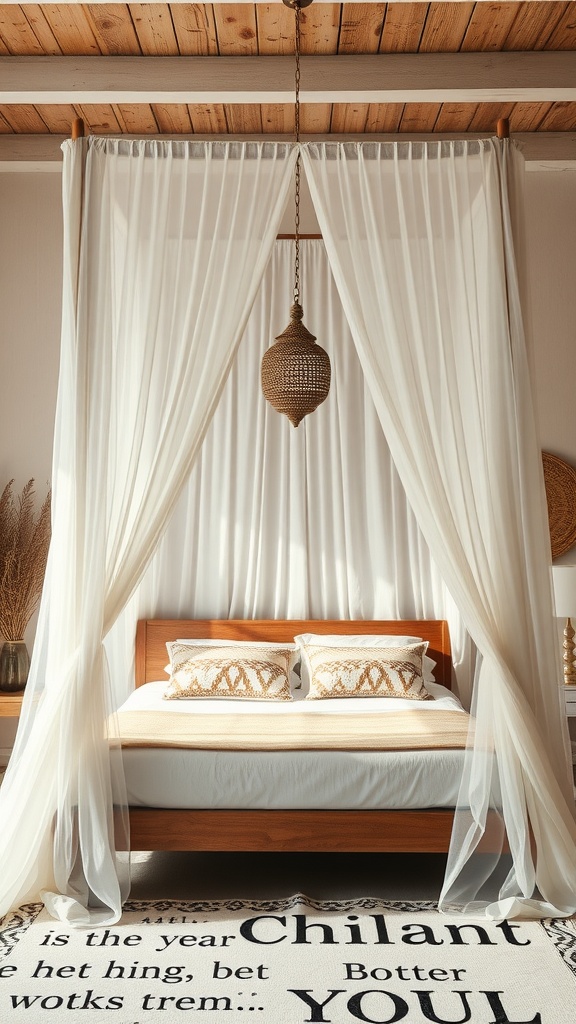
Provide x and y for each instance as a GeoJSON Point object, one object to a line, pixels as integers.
{"type": "Point", "coordinates": [11, 703]}
{"type": "Point", "coordinates": [570, 698]}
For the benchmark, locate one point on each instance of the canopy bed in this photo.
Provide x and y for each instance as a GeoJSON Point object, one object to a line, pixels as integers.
{"type": "Point", "coordinates": [165, 246]}
{"type": "Point", "coordinates": [287, 827]}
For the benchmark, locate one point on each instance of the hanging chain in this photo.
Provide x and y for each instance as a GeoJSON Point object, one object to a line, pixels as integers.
{"type": "Point", "coordinates": [297, 172]}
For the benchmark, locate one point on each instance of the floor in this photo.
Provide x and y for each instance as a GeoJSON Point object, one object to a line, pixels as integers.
{"type": "Point", "coordinates": [267, 875]}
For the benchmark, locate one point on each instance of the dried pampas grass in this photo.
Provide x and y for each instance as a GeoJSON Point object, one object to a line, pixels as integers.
{"type": "Point", "coordinates": [24, 543]}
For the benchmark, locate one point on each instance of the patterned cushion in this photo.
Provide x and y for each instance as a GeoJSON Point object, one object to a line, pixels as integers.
{"type": "Point", "coordinates": [243, 671]}
{"type": "Point", "coordinates": [362, 640]}
{"type": "Point", "coordinates": [367, 672]}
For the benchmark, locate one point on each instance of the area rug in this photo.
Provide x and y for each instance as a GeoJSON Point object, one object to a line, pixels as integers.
{"type": "Point", "coordinates": [287, 961]}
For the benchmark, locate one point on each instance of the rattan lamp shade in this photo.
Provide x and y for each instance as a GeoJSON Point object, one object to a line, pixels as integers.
{"type": "Point", "coordinates": [560, 482]}
{"type": "Point", "coordinates": [295, 371]}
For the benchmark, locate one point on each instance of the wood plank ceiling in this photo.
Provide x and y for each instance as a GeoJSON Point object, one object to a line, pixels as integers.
{"type": "Point", "coordinates": [155, 29]}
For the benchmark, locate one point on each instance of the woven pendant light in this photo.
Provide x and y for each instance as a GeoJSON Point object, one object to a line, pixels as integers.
{"type": "Point", "coordinates": [295, 371]}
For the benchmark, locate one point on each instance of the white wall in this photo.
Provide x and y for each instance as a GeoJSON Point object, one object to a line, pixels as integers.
{"type": "Point", "coordinates": [551, 245]}
{"type": "Point", "coordinates": [30, 302]}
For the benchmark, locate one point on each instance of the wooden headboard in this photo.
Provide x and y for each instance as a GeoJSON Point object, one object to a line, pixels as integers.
{"type": "Point", "coordinates": [153, 634]}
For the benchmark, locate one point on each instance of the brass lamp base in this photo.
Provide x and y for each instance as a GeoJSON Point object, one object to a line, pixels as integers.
{"type": "Point", "coordinates": [569, 657]}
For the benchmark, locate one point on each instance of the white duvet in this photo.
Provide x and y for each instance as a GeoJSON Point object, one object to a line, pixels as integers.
{"type": "Point", "coordinates": [285, 779]}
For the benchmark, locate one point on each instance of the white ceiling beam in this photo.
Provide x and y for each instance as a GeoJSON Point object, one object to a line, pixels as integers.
{"type": "Point", "coordinates": [369, 78]}
{"type": "Point", "coordinates": [19, 152]}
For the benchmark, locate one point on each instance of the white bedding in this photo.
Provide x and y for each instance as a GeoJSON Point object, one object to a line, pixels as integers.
{"type": "Point", "coordinates": [303, 779]}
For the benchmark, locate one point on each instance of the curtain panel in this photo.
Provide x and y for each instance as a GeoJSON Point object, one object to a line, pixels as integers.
{"type": "Point", "coordinates": [421, 246]}
{"type": "Point", "coordinates": [165, 246]}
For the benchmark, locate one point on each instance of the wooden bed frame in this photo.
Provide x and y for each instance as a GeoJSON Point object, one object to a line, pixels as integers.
{"type": "Point", "coordinates": [425, 831]}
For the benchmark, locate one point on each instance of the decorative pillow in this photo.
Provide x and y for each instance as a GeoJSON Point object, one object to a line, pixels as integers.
{"type": "Point", "coordinates": [366, 671]}
{"type": "Point", "coordinates": [232, 670]}
{"type": "Point", "coordinates": [362, 640]}
{"type": "Point", "coordinates": [265, 645]}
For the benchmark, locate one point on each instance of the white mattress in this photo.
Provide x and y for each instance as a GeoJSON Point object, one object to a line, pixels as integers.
{"type": "Point", "coordinates": [304, 779]}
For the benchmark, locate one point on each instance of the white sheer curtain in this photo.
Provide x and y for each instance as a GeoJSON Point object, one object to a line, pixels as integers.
{"type": "Point", "coordinates": [420, 243]}
{"type": "Point", "coordinates": [306, 523]}
{"type": "Point", "coordinates": [165, 245]}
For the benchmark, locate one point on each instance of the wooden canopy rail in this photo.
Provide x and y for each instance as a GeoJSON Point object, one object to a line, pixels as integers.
{"type": "Point", "coordinates": [502, 131]}
{"type": "Point", "coordinates": [342, 831]}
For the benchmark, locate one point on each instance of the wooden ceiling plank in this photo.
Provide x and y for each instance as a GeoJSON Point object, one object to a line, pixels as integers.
{"type": "Point", "coordinates": [114, 29]}
{"type": "Point", "coordinates": [208, 118]}
{"type": "Point", "coordinates": [403, 27]}
{"type": "Point", "coordinates": [276, 25]}
{"type": "Point", "coordinates": [560, 118]}
{"type": "Point", "coordinates": [154, 29]}
{"type": "Point", "coordinates": [41, 29]}
{"type": "Point", "coordinates": [99, 118]}
{"type": "Point", "coordinates": [244, 119]}
{"type": "Point", "coordinates": [489, 26]}
{"type": "Point", "coordinates": [349, 118]}
{"type": "Point", "coordinates": [24, 118]}
{"type": "Point", "coordinates": [534, 24]}
{"type": "Point", "coordinates": [72, 29]}
{"type": "Point", "coordinates": [277, 118]}
{"type": "Point", "coordinates": [315, 118]}
{"type": "Point", "coordinates": [16, 32]}
{"type": "Point", "coordinates": [419, 117]}
{"type": "Point", "coordinates": [320, 28]}
{"type": "Point", "coordinates": [527, 117]}
{"type": "Point", "coordinates": [564, 35]}
{"type": "Point", "coordinates": [137, 118]}
{"type": "Point", "coordinates": [5, 128]}
{"type": "Point", "coordinates": [172, 118]}
{"type": "Point", "coordinates": [455, 117]}
{"type": "Point", "coordinates": [236, 30]}
{"type": "Point", "coordinates": [120, 118]}
{"type": "Point", "coordinates": [383, 117]}
{"type": "Point", "coordinates": [195, 29]}
{"type": "Point", "coordinates": [487, 115]}
{"type": "Point", "coordinates": [445, 27]}
{"type": "Point", "coordinates": [361, 27]}
{"type": "Point", "coordinates": [369, 78]}
{"type": "Point", "coordinates": [58, 117]}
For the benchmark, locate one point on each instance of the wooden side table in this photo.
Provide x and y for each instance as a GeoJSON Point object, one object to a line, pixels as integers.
{"type": "Point", "coordinates": [10, 704]}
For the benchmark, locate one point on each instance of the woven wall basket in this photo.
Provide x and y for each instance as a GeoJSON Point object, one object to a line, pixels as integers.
{"type": "Point", "coordinates": [560, 481]}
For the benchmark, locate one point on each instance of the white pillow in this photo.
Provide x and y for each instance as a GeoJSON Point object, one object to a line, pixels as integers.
{"type": "Point", "coordinates": [364, 640]}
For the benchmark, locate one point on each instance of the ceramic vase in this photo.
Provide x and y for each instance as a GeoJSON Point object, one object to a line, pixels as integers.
{"type": "Point", "coordinates": [14, 666]}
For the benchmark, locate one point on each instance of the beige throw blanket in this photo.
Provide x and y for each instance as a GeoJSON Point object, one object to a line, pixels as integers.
{"type": "Point", "coordinates": [393, 730]}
